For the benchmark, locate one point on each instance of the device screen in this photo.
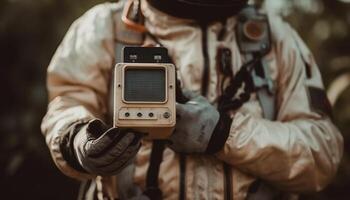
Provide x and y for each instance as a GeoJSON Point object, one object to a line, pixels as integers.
{"type": "Point", "coordinates": [145, 85]}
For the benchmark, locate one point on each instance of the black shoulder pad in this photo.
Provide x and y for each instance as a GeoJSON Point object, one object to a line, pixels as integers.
{"type": "Point", "coordinates": [319, 102]}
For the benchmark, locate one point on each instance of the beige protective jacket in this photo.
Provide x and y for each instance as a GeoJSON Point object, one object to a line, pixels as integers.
{"type": "Point", "coordinates": [299, 152]}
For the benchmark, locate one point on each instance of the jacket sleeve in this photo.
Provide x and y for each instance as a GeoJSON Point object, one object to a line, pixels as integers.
{"type": "Point", "coordinates": [78, 80]}
{"type": "Point", "coordinates": [301, 150]}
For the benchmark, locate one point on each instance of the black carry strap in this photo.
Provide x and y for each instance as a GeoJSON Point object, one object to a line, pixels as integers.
{"type": "Point", "coordinates": [206, 61]}
{"type": "Point", "coordinates": [228, 181]}
{"type": "Point", "coordinates": [182, 186]}
{"type": "Point", "coordinates": [230, 99]}
{"type": "Point", "coordinates": [152, 188]}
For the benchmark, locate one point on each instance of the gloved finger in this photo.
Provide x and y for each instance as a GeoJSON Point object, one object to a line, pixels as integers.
{"type": "Point", "coordinates": [120, 162]}
{"type": "Point", "coordinates": [101, 166]}
{"type": "Point", "coordinates": [115, 152]}
{"type": "Point", "coordinates": [200, 100]}
{"type": "Point", "coordinates": [129, 140]}
{"type": "Point", "coordinates": [181, 109]}
{"type": "Point", "coordinates": [97, 147]}
{"type": "Point", "coordinates": [96, 128]}
{"type": "Point", "coordinates": [195, 99]}
{"type": "Point", "coordinates": [115, 169]}
{"type": "Point", "coordinates": [192, 106]}
{"type": "Point", "coordinates": [189, 94]}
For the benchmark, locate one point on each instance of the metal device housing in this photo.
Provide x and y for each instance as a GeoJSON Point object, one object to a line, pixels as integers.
{"type": "Point", "coordinates": [155, 118]}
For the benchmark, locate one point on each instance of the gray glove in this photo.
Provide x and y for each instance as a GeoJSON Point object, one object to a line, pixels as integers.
{"type": "Point", "coordinates": [104, 151]}
{"type": "Point", "coordinates": [196, 121]}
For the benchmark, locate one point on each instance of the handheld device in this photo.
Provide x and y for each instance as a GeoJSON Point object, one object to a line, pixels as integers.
{"type": "Point", "coordinates": [145, 92]}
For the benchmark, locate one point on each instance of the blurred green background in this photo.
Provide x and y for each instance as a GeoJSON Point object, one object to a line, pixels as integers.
{"type": "Point", "coordinates": [30, 31]}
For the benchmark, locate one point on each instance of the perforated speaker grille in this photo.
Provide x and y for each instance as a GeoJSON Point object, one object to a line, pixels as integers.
{"type": "Point", "coordinates": [146, 85]}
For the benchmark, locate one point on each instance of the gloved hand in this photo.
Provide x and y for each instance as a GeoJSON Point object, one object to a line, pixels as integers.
{"type": "Point", "coordinates": [199, 127]}
{"type": "Point", "coordinates": [104, 151]}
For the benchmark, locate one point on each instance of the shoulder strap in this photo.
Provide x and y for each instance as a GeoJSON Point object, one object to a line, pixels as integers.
{"type": "Point", "coordinates": [152, 187]}
{"type": "Point", "coordinates": [254, 40]}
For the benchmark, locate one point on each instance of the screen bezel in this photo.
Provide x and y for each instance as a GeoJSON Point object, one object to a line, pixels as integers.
{"type": "Point", "coordinates": [126, 67]}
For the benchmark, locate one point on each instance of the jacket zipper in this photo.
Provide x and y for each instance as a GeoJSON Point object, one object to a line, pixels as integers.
{"type": "Point", "coordinates": [205, 76]}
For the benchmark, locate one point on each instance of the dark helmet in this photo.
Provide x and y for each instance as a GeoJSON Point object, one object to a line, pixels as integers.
{"type": "Point", "coordinates": [200, 10]}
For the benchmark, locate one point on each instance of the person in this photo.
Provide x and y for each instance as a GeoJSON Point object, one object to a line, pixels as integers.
{"type": "Point", "coordinates": [216, 152]}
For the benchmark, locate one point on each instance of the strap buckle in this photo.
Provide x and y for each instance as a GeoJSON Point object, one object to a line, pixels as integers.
{"type": "Point", "coordinates": [132, 16]}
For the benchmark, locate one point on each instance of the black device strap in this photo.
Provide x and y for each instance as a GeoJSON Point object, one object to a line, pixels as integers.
{"type": "Point", "coordinates": [243, 80]}
{"type": "Point", "coordinates": [206, 61]}
{"type": "Point", "coordinates": [152, 188]}
{"type": "Point", "coordinates": [228, 181]}
{"type": "Point", "coordinates": [182, 186]}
